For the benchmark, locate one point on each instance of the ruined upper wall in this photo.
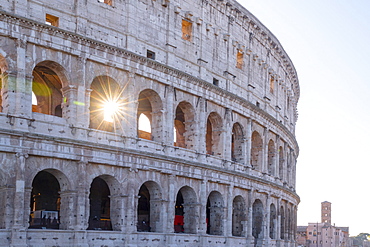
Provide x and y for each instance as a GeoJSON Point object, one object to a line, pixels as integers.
{"type": "Point", "coordinates": [220, 31]}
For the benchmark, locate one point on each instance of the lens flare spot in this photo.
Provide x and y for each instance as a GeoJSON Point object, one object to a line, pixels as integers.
{"type": "Point", "coordinates": [110, 109]}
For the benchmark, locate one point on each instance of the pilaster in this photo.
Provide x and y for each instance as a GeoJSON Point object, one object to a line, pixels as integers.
{"type": "Point", "coordinates": [202, 108]}
{"type": "Point", "coordinates": [20, 221]}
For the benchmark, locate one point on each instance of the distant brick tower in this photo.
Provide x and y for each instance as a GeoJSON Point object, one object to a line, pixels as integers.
{"type": "Point", "coordinates": [326, 212]}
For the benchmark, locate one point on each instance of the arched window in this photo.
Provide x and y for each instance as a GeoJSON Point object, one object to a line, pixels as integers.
{"type": "Point", "coordinates": [239, 216]}
{"type": "Point", "coordinates": [282, 223]}
{"type": "Point", "coordinates": [272, 221]}
{"type": "Point", "coordinates": [215, 213]}
{"type": "Point", "coordinates": [186, 215]}
{"type": "Point", "coordinates": [256, 151]}
{"type": "Point", "coordinates": [184, 126]}
{"type": "Point", "coordinates": [150, 105]}
{"type": "Point", "coordinates": [179, 213]}
{"type": "Point", "coordinates": [106, 104]}
{"type": "Point", "coordinates": [237, 143]}
{"type": "Point", "coordinates": [271, 158]}
{"type": "Point", "coordinates": [46, 87]}
{"type": "Point", "coordinates": [45, 202]}
{"type": "Point", "coordinates": [99, 197]}
{"type": "Point", "coordinates": [257, 217]}
{"type": "Point", "coordinates": [179, 128]}
{"type": "Point", "coordinates": [214, 134]}
{"type": "Point", "coordinates": [144, 127]}
{"type": "Point", "coordinates": [149, 208]}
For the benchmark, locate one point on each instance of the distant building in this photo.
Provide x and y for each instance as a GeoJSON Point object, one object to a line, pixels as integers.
{"type": "Point", "coordinates": [361, 240]}
{"type": "Point", "coordinates": [323, 234]}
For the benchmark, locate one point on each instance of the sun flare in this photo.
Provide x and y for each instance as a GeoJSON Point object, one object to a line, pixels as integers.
{"type": "Point", "coordinates": [110, 109]}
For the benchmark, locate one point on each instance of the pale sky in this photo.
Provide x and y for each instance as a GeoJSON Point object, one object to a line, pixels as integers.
{"type": "Point", "coordinates": [328, 41]}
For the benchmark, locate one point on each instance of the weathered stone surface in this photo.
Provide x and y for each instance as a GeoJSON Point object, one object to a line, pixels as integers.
{"type": "Point", "coordinates": [217, 165]}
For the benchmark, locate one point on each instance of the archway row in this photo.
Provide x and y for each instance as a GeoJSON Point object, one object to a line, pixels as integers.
{"type": "Point", "coordinates": [107, 112]}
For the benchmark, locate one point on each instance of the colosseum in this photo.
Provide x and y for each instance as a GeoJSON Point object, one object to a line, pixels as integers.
{"type": "Point", "coordinates": [145, 123]}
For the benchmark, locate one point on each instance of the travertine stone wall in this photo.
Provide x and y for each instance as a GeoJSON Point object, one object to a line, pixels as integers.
{"type": "Point", "coordinates": [226, 80]}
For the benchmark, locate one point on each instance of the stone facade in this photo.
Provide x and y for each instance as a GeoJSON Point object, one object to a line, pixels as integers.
{"type": "Point", "coordinates": [215, 163]}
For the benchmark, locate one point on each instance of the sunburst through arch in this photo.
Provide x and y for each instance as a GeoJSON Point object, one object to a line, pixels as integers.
{"type": "Point", "coordinates": [108, 103]}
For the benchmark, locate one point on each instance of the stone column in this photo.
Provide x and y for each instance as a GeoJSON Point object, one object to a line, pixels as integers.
{"type": "Point", "coordinates": [19, 197]}
{"type": "Point", "coordinates": [277, 157]}
{"type": "Point", "coordinates": [76, 98]}
{"type": "Point", "coordinates": [278, 224]}
{"type": "Point", "coordinates": [264, 168]}
{"type": "Point", "coordinates": [118, 210]}
{"type": "Point", "coordinates": [286, 235]}
{"type": "Point", "coordinates": [6, 212]}
{"type": "Point", "coordinates": [82, 206]}
{"type": "Point", "coordinates": [229, 212]}
{"type": "Point", "coordinates": [248, 143]}
{"type": "Point", "coordinates": [294, 165]}
{"type": "Point", "coordinates": [17, 90]}
{"type": "Point", "coordinates": [266, 228]}
{"type": "Point", "coordinates": [227, 134]}
{"type": "Point", "coordinates": [191, 214]}
{"type": "Point", "coordinates": [202, 128]}
{"type": "Point", "coordinates": [130, 121]}
{"type": "Point", "coordinates": [70, 104]}
{"type": "Point", "coordinates": [168, 212]}
{"type": "Point", "coordinates": [250, 238]}
{"type": "Point", "coordinates": [158, 216]}
{"type": "Point", "coordinates": [87, 108]}
{"type": "Point", "coordinates": [158, 126]}
{"type": "Point", "coordinates": [203, 208]}
{"type": "Point", "coordinates": [67, 219]}
{"type": "Point", "coordinates": [284, 178]}
{"type": "Point", "coordinates": [169, 115]}
{"type": "Point", "coordinates": [169, 209]}
{"type": "Point", "coordinates": [131, 204]}
{"type": "Point", "coordinates": [20, 219]}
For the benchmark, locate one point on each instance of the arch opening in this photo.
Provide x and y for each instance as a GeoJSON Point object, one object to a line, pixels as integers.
{"type": "Point", "coordinates": [106, 104]}
{"type": "Point", "coordinates": [179, 213]}
{"type": "Point", "coordinates": [100, 206]}
{"type": "Point", "coordinates": [144, 127]}
{"type": "Point", "coordinates": [271, 158]}
{"type": "Point", "coordinates": [149, 208]}
{"type": "Point", "coordinates": [47, 88]}
{"type": "Point", "coordinates": [215, 213]}
{"type": "Point", "coordinates": [257, 217]}
{"type": "Point", "coordinates": [45, 202]}
{"type": "Point", "coordinates": [150, 105]}
{"type": "Point", "coordinates": [186, 211]}
{"type": "Point", "coordinates": [272, 221]}
{"type": "Point", "coordinates": [214, 134]}
{"type": "Point", "coordinates": [237, 143]}
{"type": "Point", "coordinates": [239, 216]}
{"type": "Point", "coordinates": [179, 128]}
{"type": "Point", "coordinates": [256, 151]}
{"type": "Point", "coordinates": [184, 126]}
{"type": "Point", "coordinates": [282, 223]}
